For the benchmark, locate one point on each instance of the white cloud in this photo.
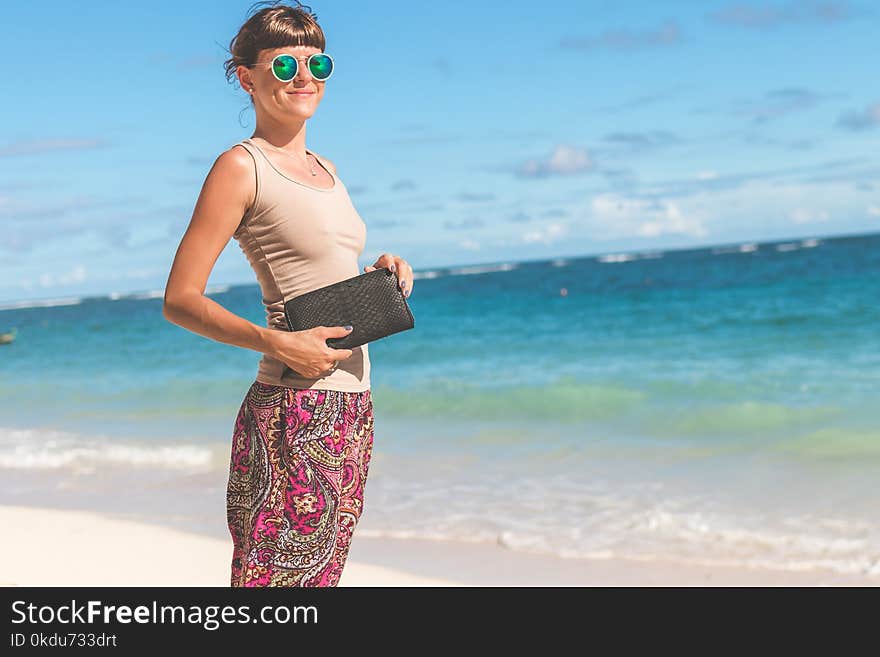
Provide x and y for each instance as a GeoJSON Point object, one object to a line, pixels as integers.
{"type": "Point", "coordinates": [874, 210]}
{"type": "Point", "coordinates": [469, 244]}
{"type": "Point", "coordinates": [619, 216]}
{"type": "Point", "coordinates": [545, 234]}
{"type": "Point", "coordinates": [75, 275]}
{"type": "Point", "coordinates": [808, 216]}
{"type": "Point", "coordinates": [707, 175]}
{"type": "Point", "coordinates": [751, 208]}
{"type": "Point", "coordinates": [564, 160]}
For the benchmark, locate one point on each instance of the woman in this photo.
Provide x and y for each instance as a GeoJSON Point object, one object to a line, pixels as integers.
{"type": "Point", "coordinates": [303, 436]}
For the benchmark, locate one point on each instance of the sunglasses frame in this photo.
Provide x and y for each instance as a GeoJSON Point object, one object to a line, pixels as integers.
{"type": "Point", "coordinates": [308, 65]}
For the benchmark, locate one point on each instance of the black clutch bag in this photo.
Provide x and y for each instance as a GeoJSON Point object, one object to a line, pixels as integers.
{"type": "Point", "coordinates": [372, 303]}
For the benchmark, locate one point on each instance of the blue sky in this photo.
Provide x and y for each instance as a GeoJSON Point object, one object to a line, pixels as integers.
{"type": "Point", "coordinates": [466, 132]}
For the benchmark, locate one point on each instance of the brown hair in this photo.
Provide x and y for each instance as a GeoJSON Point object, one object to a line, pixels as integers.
{"type": "Point", "coordinates": [275, 26]}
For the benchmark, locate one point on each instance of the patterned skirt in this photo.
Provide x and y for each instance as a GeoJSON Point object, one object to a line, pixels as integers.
{"type": "Point", "coordinates": [296, 483]}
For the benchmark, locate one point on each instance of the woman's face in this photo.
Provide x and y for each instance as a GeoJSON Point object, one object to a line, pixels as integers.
{"type": "Point", "coordinates": [298, 97]}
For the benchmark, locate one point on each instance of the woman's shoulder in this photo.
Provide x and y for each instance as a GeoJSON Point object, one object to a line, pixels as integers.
{"type": "Point", "coordinates": [235, 160]}
{"type": "Point", "coordinates": [233, 172]}
{"type": "Point", "coordinates": [236, 163]}
{"type": "Point", "coordinates": [237, 154]}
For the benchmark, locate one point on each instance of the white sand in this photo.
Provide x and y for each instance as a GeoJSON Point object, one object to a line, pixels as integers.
{"type": "Point", "coordinates": [45, 547]}
{"type": "Point", "coordinates": [48, 547]}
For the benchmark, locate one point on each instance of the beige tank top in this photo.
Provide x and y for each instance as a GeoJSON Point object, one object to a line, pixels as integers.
{"type": "Point", "coordinates": [298, 238]}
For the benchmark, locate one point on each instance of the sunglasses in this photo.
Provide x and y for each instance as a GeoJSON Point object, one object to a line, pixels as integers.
{"type": "Point", "coordinates": [285, 67]}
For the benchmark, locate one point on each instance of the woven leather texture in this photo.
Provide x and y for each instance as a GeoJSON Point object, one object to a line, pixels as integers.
{"type": "Point", "coordinates": [372, 303]}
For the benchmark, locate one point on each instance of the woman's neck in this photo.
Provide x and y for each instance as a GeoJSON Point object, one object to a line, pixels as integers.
{"type": "Point", "coordinates": [286, 137]}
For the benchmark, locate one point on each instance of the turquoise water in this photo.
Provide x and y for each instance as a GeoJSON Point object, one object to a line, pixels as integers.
{"type": "Point", "coordinates": [716, 403]}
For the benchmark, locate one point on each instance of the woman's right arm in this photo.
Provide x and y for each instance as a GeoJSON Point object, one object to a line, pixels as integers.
{"type": "Point", "coordinates": [228, 191]}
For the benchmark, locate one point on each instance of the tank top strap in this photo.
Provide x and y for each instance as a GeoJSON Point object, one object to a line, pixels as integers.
{"type": "Point", "coordinates": [250, 148]}
{"type": "Point", "coordinates": [258, 172]}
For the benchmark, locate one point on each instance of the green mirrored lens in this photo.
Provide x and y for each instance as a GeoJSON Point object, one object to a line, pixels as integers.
{"type": "Point", "coordinates": [321, 66]}
{"type": "Point", "coordinates": [284, 67]}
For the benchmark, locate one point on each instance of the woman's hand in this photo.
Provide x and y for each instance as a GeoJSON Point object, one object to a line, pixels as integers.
{"type": "Point", "coordinates": [397, 265]}
{"type": "Point", "coordinates": [306, 352]}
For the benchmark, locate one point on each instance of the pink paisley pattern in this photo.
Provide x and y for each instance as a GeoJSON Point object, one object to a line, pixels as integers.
{"type": "Point", "coordinates": [299, 463]}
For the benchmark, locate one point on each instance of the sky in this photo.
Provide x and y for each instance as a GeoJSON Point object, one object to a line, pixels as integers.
{"type": "Point", "coordinates": [465, 132]}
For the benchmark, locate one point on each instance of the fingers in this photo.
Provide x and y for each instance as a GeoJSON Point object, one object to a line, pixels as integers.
{"type": "Point", "coordinates": [384, 260]}
{"type": "Point", "coordinates": [335, 331]}
{"type": "Point", "coordinates": [398, 266]}
{"type": "Point", "coordinates": [404, 276]}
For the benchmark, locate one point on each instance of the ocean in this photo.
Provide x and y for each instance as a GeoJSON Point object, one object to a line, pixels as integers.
{"type": "Point", "coordinates": [717, 405]}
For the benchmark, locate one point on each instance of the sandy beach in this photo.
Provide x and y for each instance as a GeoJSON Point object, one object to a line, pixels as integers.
{"type": "Point", "coordinates": [79, 548]}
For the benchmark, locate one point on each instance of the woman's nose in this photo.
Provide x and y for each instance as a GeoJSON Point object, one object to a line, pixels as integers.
{"type": "Point", "coordinates": [303, 74]}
